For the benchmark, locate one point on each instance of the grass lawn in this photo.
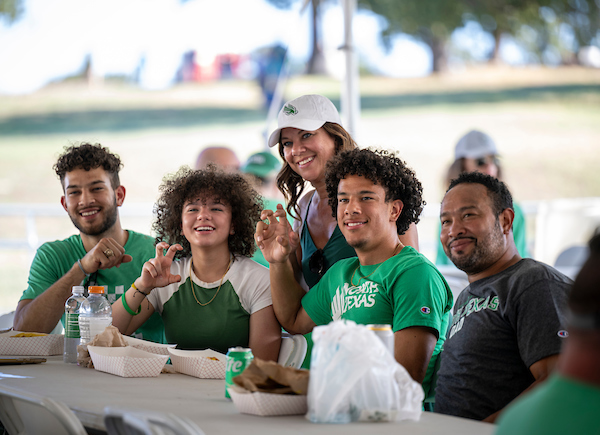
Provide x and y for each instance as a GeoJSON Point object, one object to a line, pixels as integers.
{"type": "Point", "coordinates": [546, 123]}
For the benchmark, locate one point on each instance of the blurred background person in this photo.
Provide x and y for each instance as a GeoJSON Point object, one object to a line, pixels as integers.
{"type": "Point", "coordinates": [262, 169]}
{"type": "Point", "coordinates": [476, 152]}
{"type": "Point", "coordinates": [222, 156]}
{"type": "Point", "coordinates": [270, 62]}
{"type": "Point", "coordinates": [569, 401]}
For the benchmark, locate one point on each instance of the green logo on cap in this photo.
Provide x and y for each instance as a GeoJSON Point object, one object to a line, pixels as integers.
{"type": "Point", "coordinates": [288, 109]}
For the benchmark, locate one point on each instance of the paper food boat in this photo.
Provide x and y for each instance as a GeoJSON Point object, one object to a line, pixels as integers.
{"type": "Point", "coordinates": [148, 346]}
{"type": "Point", "coordinates": [264, 404]}
{"type": "Point", "coordinates": [45, 345]}
{"type": "Point", "coordinates": [205, 364]}
{"type": "Point", "coordinates": [127, 362]}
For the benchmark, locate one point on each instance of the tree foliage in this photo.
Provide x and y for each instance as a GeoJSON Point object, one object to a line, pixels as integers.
{"type": "Point", "coordinates": [537, 22]}
{"type": "Point", "coordinates": [11, 10]}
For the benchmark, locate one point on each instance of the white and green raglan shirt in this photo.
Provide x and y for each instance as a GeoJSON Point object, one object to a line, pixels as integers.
{"type": "Point", "coordinates": [222, 323]}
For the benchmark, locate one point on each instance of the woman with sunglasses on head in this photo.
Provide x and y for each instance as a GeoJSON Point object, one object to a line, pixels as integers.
{"type": "Point", "coordinates": [477, 152]}
{"type": "Point", "coordinates": [309, 133]}
{"type": "Point", "coordinates": [202, 281]}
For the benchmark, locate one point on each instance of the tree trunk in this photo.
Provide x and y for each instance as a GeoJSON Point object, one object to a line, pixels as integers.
{"type": "Point", "coordinates": [316, 63]}
{"type": "Point", "coordinates": [438, 50]}
{"type": "Point", "coordinates": [495, 56]}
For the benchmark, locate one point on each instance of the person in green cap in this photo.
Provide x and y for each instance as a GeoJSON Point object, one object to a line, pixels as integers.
{"type": "Point", "coordinates": [262, 168]}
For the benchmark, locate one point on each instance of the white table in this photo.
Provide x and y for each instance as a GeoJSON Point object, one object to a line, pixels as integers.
{"type": "Point", "coordinates": [87, 392]}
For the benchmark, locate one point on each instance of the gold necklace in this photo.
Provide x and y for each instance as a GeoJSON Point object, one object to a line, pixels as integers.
{"type": "Point", "coordinates": [363, 277]}
{"type": "Point", "coordinates": [217, 292]}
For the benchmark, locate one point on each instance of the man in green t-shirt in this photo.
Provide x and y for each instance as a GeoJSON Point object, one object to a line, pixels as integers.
{"type": "Point", "coordinates": [103, 253]}
{"type": "Point", "coordinates": [375, 198]}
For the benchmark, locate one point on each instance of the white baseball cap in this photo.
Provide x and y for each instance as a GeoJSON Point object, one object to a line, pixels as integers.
{"type": "Point", "coordinates": [475, 145]}
{"type": "Point", "coordinates": [308, 112]}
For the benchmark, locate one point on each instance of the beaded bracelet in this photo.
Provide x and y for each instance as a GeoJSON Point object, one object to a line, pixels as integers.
{"type": "Point", "coordinates": [139, 291]}
{"type": "Point", "coordinates": [129, 310]}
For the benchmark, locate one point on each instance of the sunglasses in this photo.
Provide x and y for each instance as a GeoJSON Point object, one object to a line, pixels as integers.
{"type": "Point", "coordinates": [482, 161]}
{"type": "Point", "coordinates": [316, 263]}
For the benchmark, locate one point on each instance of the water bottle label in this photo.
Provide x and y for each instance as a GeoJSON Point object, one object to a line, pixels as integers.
{"type": "Point", "coordinates": [98, 325]}
{"type": "Point", "coordinates": [72, 325]}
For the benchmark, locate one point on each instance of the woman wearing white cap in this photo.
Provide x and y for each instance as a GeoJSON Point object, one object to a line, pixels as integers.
{"type": "Point", "coordinates": [309, 134]}
{"type": "Point", "coordinates": [477, 152]}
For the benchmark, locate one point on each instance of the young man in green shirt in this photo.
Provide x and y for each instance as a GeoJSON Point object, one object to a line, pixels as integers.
{"type": "Point", "coordinates": [375, 198]}
{"type": "Point", "coordinates": [103, 253]}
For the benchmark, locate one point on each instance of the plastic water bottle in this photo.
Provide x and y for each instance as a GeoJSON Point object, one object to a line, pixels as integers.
{"type": "Point", "coordinates": [95, 314]}
{"type": "Point", "coordinates": [72, 336]}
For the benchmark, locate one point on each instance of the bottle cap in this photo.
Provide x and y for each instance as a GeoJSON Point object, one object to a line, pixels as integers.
{"type": "Point", "coordinates": [96, 289]}
{"type": "Point", "coordinates": [78, 289]}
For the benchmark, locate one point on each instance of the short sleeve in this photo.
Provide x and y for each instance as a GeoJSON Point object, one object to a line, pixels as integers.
{"type": "Point", "coordinates": [317, 303]}
{"type": "Point", "coordinates": [42, 274]}
{"type": "Point", "coordinates": [421, 298]}
{"type": "Point", "coordinates": [538, 318]}
{"type": "Point", "coordinates": [255, 287]}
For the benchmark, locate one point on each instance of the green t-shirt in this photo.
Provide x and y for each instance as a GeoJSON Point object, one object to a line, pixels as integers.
{"type": "Point", "coordinates": [519, 235]}
{"type": "Point", "coordinates": [53, 259]}
{"type": "Point", "coordinates": [404, 291]}
{"type": "Point", "coordinates": [559, 406]}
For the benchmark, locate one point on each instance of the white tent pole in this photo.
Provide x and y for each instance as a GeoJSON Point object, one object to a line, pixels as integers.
{"type": "Point", "coordinates": [350, 95]}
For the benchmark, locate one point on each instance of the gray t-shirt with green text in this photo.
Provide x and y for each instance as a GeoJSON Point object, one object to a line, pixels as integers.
{"type": "Point", "coordinates": [502, 324]}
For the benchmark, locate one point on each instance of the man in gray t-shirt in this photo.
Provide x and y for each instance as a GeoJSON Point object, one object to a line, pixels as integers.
{"type": "Point", "coordinates": [508, 323]}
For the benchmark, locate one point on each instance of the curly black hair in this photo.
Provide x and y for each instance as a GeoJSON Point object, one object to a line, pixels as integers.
{"type": "Point", "coordinates": [497, 190]}
{"type": "Point", "coordinates": [384, 168]}
{"type": "Point", "coordinates": [88, 156]}
{"type": "Point", "coordinates": [231, 188]}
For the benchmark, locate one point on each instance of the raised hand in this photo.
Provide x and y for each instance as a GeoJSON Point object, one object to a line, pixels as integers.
{"type": "Point", "coordinates": [157, 271]}
{"type": "Point", "coordinates": [275, 239]}
{"type": "Point", "coordinates": [106, 254]}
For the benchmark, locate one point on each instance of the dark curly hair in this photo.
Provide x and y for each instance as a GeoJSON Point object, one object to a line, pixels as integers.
{"type": "Point", "coordinates": [231, 188]}
{"type": "Point", "coordinates": [497, 190]}
{"type": "Point", "coordinates": [291, 184]}
{"type": "Point", "coordinates": [88, 156]}
{"type": "Point", "coordinates": [383, 168]}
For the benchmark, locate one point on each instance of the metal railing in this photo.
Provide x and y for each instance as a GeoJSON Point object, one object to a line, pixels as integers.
{"type": "Point", "coordinates": [553, 225]}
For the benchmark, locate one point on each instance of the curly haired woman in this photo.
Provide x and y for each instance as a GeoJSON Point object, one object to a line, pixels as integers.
{"type": "Point", "coordinates": [207, 289]}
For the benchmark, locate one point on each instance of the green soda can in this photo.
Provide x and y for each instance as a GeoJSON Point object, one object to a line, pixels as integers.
{"type": "Point", "coordinates": [238, 358]}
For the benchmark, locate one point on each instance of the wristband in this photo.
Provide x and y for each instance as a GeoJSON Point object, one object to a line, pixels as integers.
{"type": "Point", "coordinates": [81, 267]}
{"type": "Point", "coordinates": [129, 310]}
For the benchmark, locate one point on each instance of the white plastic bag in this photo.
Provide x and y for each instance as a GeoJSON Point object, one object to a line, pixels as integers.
{"type": "Point", "coordinates": [353, 377]}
